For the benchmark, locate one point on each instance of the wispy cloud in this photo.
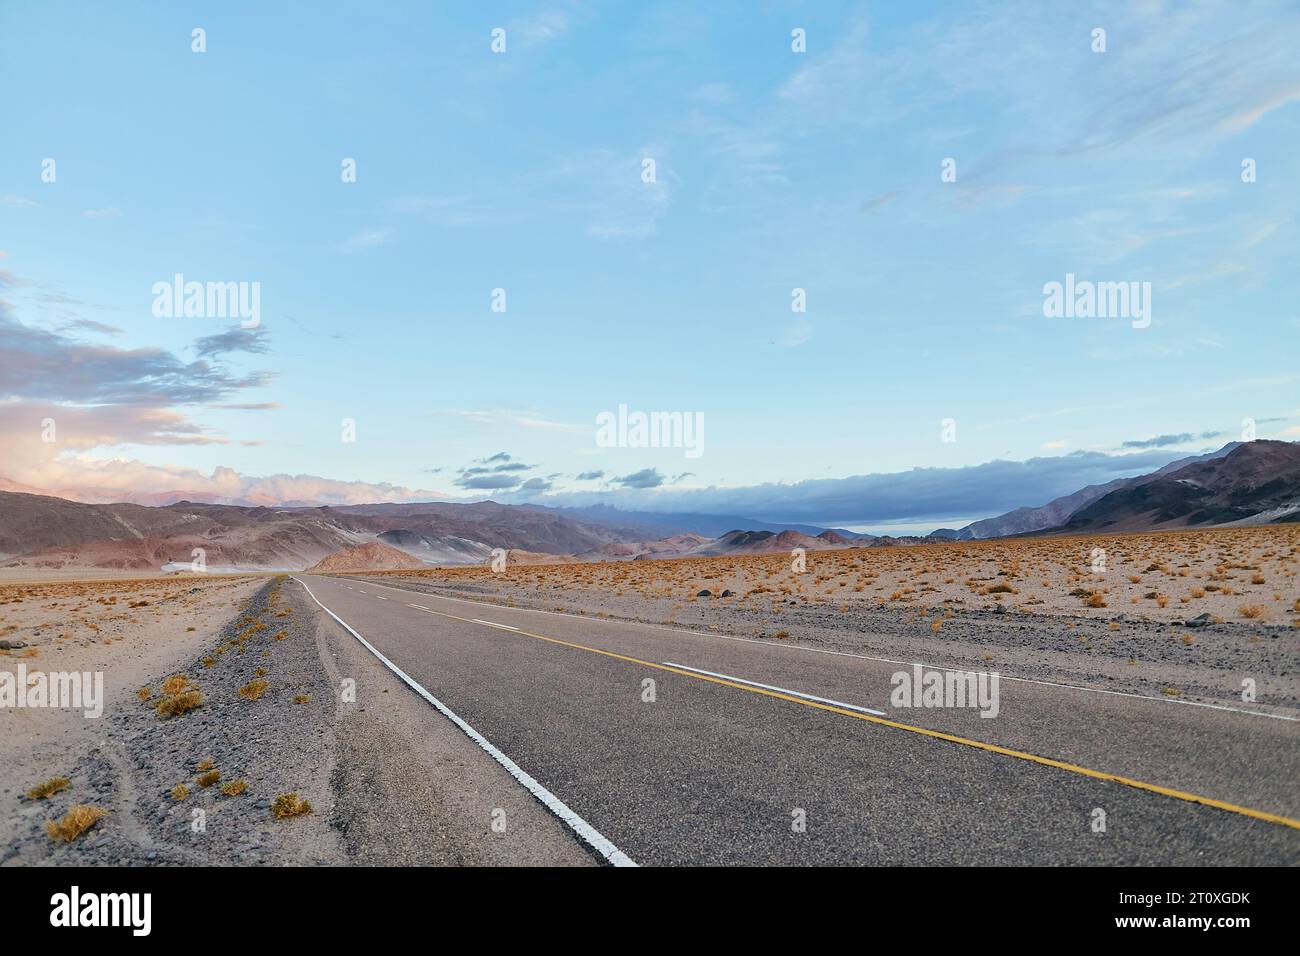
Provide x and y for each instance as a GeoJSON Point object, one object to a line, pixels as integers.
{"type": "Point", "coordinates": [522, 419]}
{"type": "Point", "coordinates": [369, 238]}
{"type": "Point", "coordinates": [253, 341]}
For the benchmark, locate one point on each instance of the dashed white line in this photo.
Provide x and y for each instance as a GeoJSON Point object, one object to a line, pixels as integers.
{"type": "Point", "coordinates": [504, 627]}
{"type": "Point", "coordinates": [781, 690]}
{"type": "Point", "coordinates": [585, 831]}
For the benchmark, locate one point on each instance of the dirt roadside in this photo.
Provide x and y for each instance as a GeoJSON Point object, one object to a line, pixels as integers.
{"type": "Point", "coordinates": [389, 780]}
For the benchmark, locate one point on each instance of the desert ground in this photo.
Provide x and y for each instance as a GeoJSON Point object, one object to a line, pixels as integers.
{"type": "Point", "coordinates": [1177, 614]}
{"type": "Point", "coordinates": [224, 705]}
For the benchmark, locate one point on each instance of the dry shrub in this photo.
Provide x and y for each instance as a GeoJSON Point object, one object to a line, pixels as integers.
{"type": "Point", "coordinates": [290, 805]}
{"type": "Point", "coordinates": [180, 792]}
{"type": "Point", "coordinates": [1251, 611]}
{"type": "Point", "coordinates": [75, 822]}
{"type": "Point", "coordinates": [234, 788]}
{"type": "Point", "coordinates": [175, 684]}
{"type": "Point", "coordinates": [178, 704]}
{"type": "Point", "coordinates": [253, 689]}
{"type": "Point", "coordinates": [47, 789]}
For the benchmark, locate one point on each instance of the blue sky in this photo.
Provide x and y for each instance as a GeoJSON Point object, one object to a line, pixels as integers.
{"type": "Point", "coordinates": [523, 170]}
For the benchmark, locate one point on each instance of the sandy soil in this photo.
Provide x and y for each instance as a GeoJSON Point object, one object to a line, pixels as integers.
{"type": "Point", "coordinates": [98, 626]}
{"type": "Point", "coordinates": [1030, 607]}
{"type": "Point", "coordinates": [389, 780]}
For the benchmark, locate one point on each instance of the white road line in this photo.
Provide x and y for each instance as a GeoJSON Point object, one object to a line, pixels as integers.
{"type": "Point", "coordinates": [782, 690]}
{"type": "Point", "coordinates": [418, 606]}
{"type": "Point", "coordinates": [505, 627]}
{"type": "Point", "coordinates": [861, 657]}
{"type": "Point", "coordinates": [380, 596]}
{"type": "Point", "coordinates": [585, 831]}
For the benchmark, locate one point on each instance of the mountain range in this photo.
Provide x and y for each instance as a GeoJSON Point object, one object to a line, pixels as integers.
{"type": "Point", "coordinates": [1241, 483]}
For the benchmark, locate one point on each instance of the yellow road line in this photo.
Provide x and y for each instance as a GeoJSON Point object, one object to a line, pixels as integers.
{"type": "Point", "coordinates": [926, 732]}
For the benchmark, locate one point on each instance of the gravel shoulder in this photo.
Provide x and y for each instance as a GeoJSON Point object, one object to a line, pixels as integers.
{"type": "Point", "coordinates": [389, 780]}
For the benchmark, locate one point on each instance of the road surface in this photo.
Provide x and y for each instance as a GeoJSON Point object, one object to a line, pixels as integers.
{"type": "Point", "coordinates": [750, 752]}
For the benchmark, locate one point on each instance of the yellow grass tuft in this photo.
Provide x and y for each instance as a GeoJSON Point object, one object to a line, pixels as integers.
{"type": "Point", "coordinates": [209, 778]}
{"type": "Point", "coordinates": [48, 789]}
{"type": "Point", "coordinates": [290, 805]}
{"type": "Point", "coordinates": [178, 704]}
{"type": "Point", "coordinates": [1251, 611]}
{"type": "Point", "coordinates": [253, 689]}
{"type": "Point", "coordinates": [75, 822]}
{"type": "Point", "coordinates": [175, 684]}
{"type": "Point", "coordinates": [180, 792]}
{"type": "Point", "coordinates": [234, 788]}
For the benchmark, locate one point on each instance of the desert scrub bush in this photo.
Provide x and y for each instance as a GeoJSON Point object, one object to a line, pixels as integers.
{"type": "Point", "coordinates": [180, 792]}
{"type": "Point", "coordinates": [1094, 600]}
{"type": "Point", "coordinates": [253, 689]}
{"type": "Point", "coordinates": [175, 684]}
{"type": "Point", "coordinates": [234, 788]}
{"type": "Point", "coordinates": [302, 699]}
{"type": "Point", "coordinates": [259, 672]}
{"type": "Point", "coordinates": [203, 766]}
{"type": "Point", "coordinates": [178, 704]}
{"type": "Point", "coordinates": [1251, 611]}
{"type": "Point", "coordinates": [208, 779]}
{"type": "Point", "coordinates": [290, 805]}
{"type": "Point", "coordinates": [75, 822]}
{"type": "Point", "coordinates": [281, 635]}
{"type": "Point", "coordinates": [47, 789]}
{"type": "Point", "coordinates": [144, 693]}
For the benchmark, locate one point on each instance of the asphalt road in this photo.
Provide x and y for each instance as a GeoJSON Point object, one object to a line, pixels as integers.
{"type": "Point", "coordinates": [744, 740]}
